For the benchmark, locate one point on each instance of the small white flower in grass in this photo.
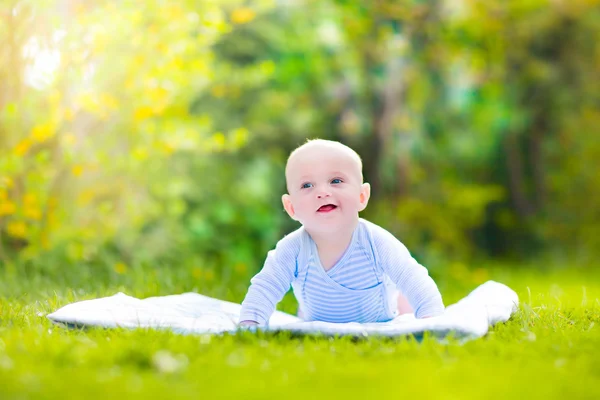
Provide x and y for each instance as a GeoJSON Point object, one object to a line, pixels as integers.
{"type": "Point", "coordinates": [168, 363]}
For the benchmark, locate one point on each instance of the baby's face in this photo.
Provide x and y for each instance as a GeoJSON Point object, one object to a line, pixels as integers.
{"type": "Point", "coordinates": [325, 190]}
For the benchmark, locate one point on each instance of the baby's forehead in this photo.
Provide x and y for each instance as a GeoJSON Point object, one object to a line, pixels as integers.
{"type": "Point", "coordinates": [322, 159]}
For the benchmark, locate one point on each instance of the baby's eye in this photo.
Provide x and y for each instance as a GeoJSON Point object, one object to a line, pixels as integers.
{"type": "Point", "coordinates": [306, 185]}
{"type": "Point", "coordinates": [336, 180]}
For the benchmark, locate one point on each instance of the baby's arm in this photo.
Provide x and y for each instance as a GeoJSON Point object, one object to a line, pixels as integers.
{"type": "Point", "coordinates": [270, 285]}
{"type": "Point", "coordinates": [410, 277]}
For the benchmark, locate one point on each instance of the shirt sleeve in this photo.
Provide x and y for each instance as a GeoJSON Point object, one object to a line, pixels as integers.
{"type": "Point", "coordinates": [268, 287]}
{"type": "Point", "coordinates": [411, 278]}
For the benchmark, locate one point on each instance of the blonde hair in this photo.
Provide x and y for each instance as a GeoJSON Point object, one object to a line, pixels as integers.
{"type": "Point", "coordinates": [313, 143]}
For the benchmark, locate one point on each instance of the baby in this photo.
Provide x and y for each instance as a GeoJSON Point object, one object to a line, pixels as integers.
{"type": "Point", "coordinates": [341, 268]}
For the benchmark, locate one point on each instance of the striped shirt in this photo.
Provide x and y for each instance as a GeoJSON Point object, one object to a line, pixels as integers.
{"type": "Point", "coordinates": [361, 286]}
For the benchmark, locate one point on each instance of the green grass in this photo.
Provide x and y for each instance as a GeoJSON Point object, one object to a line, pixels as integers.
{"type": "Point", "coordinates": [549, 349]}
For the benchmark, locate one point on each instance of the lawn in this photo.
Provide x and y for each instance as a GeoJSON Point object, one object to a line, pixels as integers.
{"type": "Point", "coordinates": [549, 349]}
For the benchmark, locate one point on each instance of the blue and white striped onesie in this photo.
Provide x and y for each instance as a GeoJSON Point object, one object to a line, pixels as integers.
{"type": "Point", "coordinates": [361, 287]}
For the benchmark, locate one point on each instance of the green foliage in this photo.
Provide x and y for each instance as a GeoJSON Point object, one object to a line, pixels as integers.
{"type": "Point", "coordinates": [157, 132]}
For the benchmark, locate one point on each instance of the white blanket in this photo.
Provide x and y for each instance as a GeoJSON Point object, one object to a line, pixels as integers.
{"type": "Point", "coordinates": [488, 304]}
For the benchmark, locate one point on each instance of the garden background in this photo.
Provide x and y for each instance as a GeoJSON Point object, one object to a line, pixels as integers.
{"type": "Point", "coordinates": [142, 148]}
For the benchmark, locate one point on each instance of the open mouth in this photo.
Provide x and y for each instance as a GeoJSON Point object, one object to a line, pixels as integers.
{"type": "Point", "coordinates": [327, 208]}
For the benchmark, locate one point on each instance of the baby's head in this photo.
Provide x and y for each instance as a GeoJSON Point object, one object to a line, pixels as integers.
{"type": "Point", "coordinates": [325, 186]}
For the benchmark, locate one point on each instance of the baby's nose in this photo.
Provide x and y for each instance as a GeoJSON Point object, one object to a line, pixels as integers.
{"type": "Point", "coordinates": [320, 195]}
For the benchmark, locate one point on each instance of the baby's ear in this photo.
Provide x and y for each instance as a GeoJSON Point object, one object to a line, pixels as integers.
{"type": "Point", "coordinates": [287, 204]}
{"type": "Point", "coordinates": [365, 194]}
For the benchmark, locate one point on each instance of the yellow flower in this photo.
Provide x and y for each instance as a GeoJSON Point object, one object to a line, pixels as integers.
{"type": "Point", "coordinates": [52, 221]}
{"type": "Point", "coordinates": [29, 199]}
{"type": "Point", "coordinates": [17, 229]}
{"type": "Point", "coordinates": [120, 268]}
{"type": "Point", "coordinates": [143, 113]}
{"type": "Point", "coordinates": [43, 132]}
{"type": "Point", "coordinates": [242, 15]}
{"type": "Point", "coordinates": [158, 95]}
{"type": "Point", "coordinates": [197, 272]}
{"type": "Point", "coordinates": [140, 154]}
{"type": "Point", "coordinates": [240, 137]}
{"type": "Point", "coordinates": [218, 91]}
{"type": "Point", "coordinates": [45, 242]}
{"type": "Point", "coordinates": [219, 140]}
{"type": "Point", "coordinates": [177, 63]}
{"type": "Point", "coordinates": [77, 170]}
{"type": "Point", "coordinates": [267, 67]}
{"type": "Point", "coordinates": [22, 147]}
{"type": "Point", "coordinates": [174, 13]}
{"type": "Point", "coordinates": [166, 148]}
{"type": "Point", "coordinates": [79, 9]}
{"type": "Point", "coordinates": [7, 208]}
{"type": "Point", "coordinates": [32, 213]}
{"type": "Point", "coordinates": [138, 61]}
{"type": "Point", "coordinates": [162, 48]}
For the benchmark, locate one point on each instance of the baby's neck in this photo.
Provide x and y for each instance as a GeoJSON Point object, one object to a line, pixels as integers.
{"type": "Point", "coordinates": [333, 242]}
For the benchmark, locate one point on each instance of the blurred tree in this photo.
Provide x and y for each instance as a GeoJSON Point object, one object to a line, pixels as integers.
{"type": "Point", "coordinates": [159, 131]}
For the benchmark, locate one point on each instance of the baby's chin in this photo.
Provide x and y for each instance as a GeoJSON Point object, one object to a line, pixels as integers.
{"type": "Point", "coordinates": [331, 227]}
